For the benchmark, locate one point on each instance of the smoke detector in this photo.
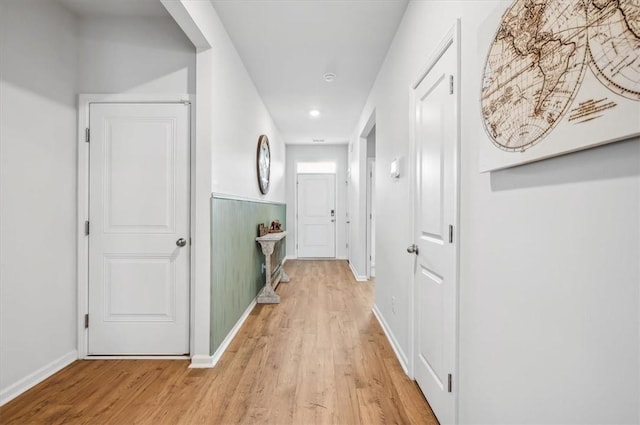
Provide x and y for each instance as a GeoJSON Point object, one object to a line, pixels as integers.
{"type": "Point", "coordinates": [329, 77]}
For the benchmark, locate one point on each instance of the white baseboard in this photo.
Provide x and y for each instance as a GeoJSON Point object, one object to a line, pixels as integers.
{"type": "Point", "coordinates": [232, 333]}
{"type": "Point", "coordinates": [359, 278]}
{"type": "Point", "coordinates": [201, 361]}
{"type": "Point", "coordinates": [161, 357]}
{"type": "Point", "coordinates": [294, 257]}
{"type": "Point", "coordinates": [36, 377]}
{"type": "Point", "coordinates": [402, 358]}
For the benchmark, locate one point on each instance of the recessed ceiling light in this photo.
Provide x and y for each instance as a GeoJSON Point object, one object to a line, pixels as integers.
{"type": "Point", "coordinates": [329, 77]}
{"type": "Point", "coordinates": [318, 140]}
{"type": "Point", "coordinates": [314, 113]}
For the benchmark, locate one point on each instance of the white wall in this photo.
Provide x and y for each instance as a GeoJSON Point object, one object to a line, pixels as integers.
{"type": "Point", "coordinates": [549, 274]}
{"type": "Point", "coordinates": [239, 118]}
{"type": "Point", "coordinates": [236, 110]}
{"type": "Point", "coordinates": [230, 116]}
{"type": "Point", "coordinates": [306, 153]}
{"type": "Point", "coordinates": [135, 55]}
{"type": "Point", "coordinates": [38, 61]}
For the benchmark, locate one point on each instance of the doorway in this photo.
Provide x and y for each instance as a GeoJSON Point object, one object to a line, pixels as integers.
{"type": "Point", "coordinates": [371, 210]}
{"type": "Point", "coordinates": [138, 229]}
{"type": "Point", "coordinates": [316, 215]}
{"type": "Point", "coordinates": [435, 288]}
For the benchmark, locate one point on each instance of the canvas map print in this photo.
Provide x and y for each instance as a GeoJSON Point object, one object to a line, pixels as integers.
{"type": "Point", "coordinates": [559, 76]}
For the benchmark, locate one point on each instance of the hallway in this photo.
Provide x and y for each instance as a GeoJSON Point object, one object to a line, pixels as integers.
{"type": "Point", "coordinates": [319, 357]}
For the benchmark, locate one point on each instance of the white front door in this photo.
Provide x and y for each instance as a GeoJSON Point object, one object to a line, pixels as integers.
{"type": "Point", "coordinates": [139, 229]}
{"type": "Point", "coordinates": [435, 214]}
{"type": "Point", "coordinates": [316, 215]}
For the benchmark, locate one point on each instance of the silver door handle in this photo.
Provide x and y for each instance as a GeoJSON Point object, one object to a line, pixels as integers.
{"type": "Point", "coordinates": [412, 249]}
{"type": "Point", "coordinates": [181, 242]}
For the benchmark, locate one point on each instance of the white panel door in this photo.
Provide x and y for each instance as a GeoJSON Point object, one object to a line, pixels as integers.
{"type": "Point", "coordinates": [316, 215]}
{"type": "Point", "coordinates": [435, 203]}
{"type": "Point", "coordinates": [139, 229]}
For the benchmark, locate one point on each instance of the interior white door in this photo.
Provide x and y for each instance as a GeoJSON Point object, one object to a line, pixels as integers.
{"type": "Point", "coordinates": [316, 215]}
{"type": "Point", "coordinates": [139, 229]}
{"type": "Point", "coordinates": [435, 214]}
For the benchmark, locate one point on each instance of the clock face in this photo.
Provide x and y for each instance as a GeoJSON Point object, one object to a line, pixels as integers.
{"type": "Point", "coordinates": [263, 162]}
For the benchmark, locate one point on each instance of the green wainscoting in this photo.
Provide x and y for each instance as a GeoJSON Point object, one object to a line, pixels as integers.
{"type": "Point", "coordinates": [236, 259]}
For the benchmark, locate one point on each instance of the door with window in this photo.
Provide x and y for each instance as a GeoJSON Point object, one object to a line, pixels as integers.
{"type": "Point", "coordinates": [139, 229]}
{"type": "Point", "coordinates": [316, 215]}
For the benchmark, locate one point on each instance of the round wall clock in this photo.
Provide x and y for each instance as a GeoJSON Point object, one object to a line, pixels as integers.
{"type": "Point", "coordinates": [263, 163]}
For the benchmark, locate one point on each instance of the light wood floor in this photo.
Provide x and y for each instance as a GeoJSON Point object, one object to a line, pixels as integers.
{"type": "Point", "coordinates": [319, 357]}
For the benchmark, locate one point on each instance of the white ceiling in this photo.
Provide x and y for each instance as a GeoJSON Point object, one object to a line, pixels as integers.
{"type": "Point", "coordinates": [287, 46]}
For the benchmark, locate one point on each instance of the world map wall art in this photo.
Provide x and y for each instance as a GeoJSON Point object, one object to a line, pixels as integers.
{"type": "Point", "coordinates": [559, 76]}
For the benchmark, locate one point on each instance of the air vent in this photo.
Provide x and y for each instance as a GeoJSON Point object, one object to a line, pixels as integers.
{"type": "Point", "coordinates": [318, 140]}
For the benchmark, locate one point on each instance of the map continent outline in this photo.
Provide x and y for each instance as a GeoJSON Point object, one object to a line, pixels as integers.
{"type": "Point", "coordinates": [538, 58]}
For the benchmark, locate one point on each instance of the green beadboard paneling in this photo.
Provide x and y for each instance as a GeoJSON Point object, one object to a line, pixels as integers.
{"type": "Point", "coordinates": [236, 259]}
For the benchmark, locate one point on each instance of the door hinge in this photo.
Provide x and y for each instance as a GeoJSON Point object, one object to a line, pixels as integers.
{"type": "Point", "coordinates": [450, 233]}
{"type": "Point", "coordinates": [190, 243]}
{"type": "Point", "coordinates": [450, 383]}
{"type": "Point", "coordinates": [86, 228]}
{"type": "Point", "coordinates": [87, 135]}
{"type": "Point", "coordinates": [450, 84]}
{"type": "Point", "coordinates": [86, 321]}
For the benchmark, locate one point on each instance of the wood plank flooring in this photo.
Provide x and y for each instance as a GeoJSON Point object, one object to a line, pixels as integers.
{"type": "Point", "coordinates": [319, 357]}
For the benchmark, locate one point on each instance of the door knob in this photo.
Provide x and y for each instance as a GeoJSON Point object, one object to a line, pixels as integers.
{"type": "Point", "coordinates": [412, 249]}
{"type": "Point", "coordinates": [181, 242]}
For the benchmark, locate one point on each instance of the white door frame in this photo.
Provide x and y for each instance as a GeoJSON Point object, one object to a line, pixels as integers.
{"type": "Point", "coordinates": [84, 101]}
{"type": "Point", "coordinates": [451, 38]}
{"type": "Point", "coordinates": [360, 233]}
{"type": "Point", "coordinates": [370, 187]}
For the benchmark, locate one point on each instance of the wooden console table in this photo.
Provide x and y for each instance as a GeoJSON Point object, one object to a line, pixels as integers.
{"type": "Point", "coordinates": [268, 294]}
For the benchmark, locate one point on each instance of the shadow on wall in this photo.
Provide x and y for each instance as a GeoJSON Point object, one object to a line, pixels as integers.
{"type": "Point", "coordinates": [612, 161]}
{"type": "Point", "coordinates": [146, 54]}
{"type": "Point", "coordinates": [114, 55]}
{"type": "Point", "coordinates": [32, 57]}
